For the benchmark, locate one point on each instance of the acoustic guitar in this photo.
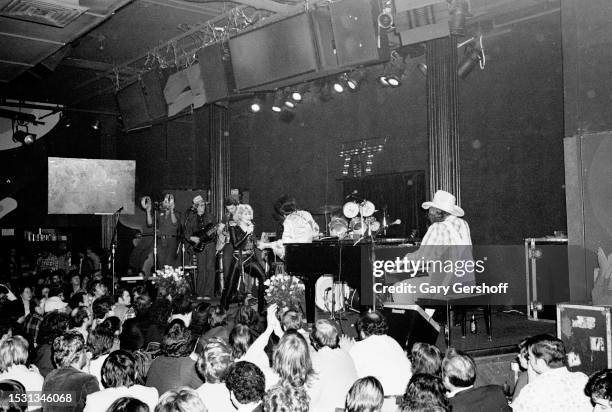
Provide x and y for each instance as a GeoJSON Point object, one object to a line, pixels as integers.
{"type": "Point", "coordinates": [206, 235]}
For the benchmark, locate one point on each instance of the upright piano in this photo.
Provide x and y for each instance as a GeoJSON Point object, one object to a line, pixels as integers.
{"type": "Point", "coordinates": [345, 261]}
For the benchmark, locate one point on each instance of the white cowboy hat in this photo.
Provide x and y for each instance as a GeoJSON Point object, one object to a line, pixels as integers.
{"type": "Point", "coordinates": [445, 201]}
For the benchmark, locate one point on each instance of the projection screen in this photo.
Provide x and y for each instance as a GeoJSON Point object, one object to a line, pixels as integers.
{"type": "Point", "coordinates": [90, 186]}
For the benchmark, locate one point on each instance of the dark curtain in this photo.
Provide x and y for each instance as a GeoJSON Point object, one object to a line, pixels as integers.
{"type": "Point", "coordinates": [401, 193]}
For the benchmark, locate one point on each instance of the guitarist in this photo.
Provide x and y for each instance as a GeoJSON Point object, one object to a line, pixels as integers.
{"type": "Point", "coordinates": [195, 228]}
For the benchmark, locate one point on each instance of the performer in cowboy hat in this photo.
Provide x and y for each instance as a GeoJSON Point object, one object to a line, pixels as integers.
{"type": "Point", "coordinates": [445, 252]}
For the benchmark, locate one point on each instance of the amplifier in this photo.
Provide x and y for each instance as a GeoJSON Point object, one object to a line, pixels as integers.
{"type": "Point", "coordinates": [585, 331]}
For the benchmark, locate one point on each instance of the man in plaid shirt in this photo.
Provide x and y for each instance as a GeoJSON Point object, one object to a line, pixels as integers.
{"type": "Point", "coordinates": [31, 327]}
{"type": "Point", "coordinates": [447, 244]}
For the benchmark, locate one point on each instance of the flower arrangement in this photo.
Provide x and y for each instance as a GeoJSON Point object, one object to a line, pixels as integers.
{"type": "Point", "coordinates": [285, 291]}
{"type": "Point", "coordinates": [172, 280]}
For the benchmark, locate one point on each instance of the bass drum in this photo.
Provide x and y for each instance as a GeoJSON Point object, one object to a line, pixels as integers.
{"type": "Point", "coordinates": [324, 296]}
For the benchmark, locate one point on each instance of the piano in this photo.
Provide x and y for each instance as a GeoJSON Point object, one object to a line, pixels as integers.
{"type": "Point", "coordinates": [347, 262]}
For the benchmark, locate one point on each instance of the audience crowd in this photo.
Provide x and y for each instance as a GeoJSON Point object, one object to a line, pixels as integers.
{"type": "Point", "coordinates": [67, 344]}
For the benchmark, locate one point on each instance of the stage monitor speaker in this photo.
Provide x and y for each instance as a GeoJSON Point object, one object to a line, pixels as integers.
{"type": "Point", "coordinates": [409, 324]}
{"type": "Point", "coordinates": [216, 72]}
{"type": "Point", "coordinates": [143, 101]}
{"type": "Point", "coordinates": [347, 35]}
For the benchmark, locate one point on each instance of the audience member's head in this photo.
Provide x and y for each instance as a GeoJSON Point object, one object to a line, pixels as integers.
{"type": "Point", "coordinates": [53, 325]}
{"type": "Point", "coordinates": [246, 383]}
{"type": "Point", "coordinates": [426, 358]}
{"type": "Point", "coordinates": [112, 323]}
{"type": "Point", "coordinates": [291, 360]}
{"type": "Point", "coordinates": [80, 318]}
{"type": "Point", "coordinates": [199, 319]}
{"type": "Point", "coordinates": [131, 337]}
{"type": "Point", "coordinates": [102, 307]}
{"type": "Point", "coordinates": [128, 404]}
{"type": "Point", "coordinates": [523, 355]}
{"type": "Point", "coordinates": [218, 317]}
{"type": "Point", "coordinates": [286, 398]}
{"type": "Point", "coordinates": [177, 341]}
{"type": "Point", "coordinates": [100, 342]}
{"type": "Point", "coordinates": [240, 339]}
{"type": "Point", "coordinates": [123, 297]}
{"type": "Point", "coordinates": [324, 334]}
{"type": "Point", "coordinates": [97, 288]}
{"type": "Point", "coordinates": [79, 299]}
{"type": "Point", "coordinates": [75, 280]}
{"type": "Point", "coordinates": [291, 320]}
{"type": "Point", "coordinates": [181, 305]}
{"type": "Point", "coordinates": [366, 395]}
{"type": "Point", "coordinates": [599, 389]}
{"type": "Point", "coordinates": [458, 370]}
{"type": "Point", "coordinates": [160, 312]}
{"type": "Point", "coordinates": [142, 363]}
{"type": "Point", "coordinates": [546, 352]}
{"type": "Point", "coordinates": [424, 393]}
{"type": "Point", "coordinates": [9, 388]}
{"type": "Point", "coordinates": [69, 350]}
{"type": "Point", "coordinates": [215, 361]}
{"type": "Point", "coordinates": [371, 323]}
{"type": "Point", "coordinates": [181, 400]}
{"type": "Point", "coordinates": [139, 291]}
{"type": "Point", "coordinates": [142, 305]}
{"type": "Point", "coordinates": [246, 315]}
{"type": "Point", "coordinates": [119, 369]}
{"type": "Point", "coordinates": [13, 352]}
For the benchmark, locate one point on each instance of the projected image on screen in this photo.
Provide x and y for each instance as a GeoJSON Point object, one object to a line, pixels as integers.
{"type": "Point", "coordinates": [90, 186]}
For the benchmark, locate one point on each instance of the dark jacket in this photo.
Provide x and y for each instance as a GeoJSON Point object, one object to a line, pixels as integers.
{"type": "Point", "coordinates": [488, 398]}
{"type": "Point", "coordinates": [69, 381]}
{"type": "Point", "coordinates": [168, 373]}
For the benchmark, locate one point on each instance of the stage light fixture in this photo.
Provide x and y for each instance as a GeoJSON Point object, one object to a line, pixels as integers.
{"type": "Point", "coordinates": [422, 67]}
{"type": "Point", "coordinates": [297, 94]}
{"type": "Point", "coordinates": [256, 105]}
{"type": "Point", "coordinates": [277, 106]}
{"type": "Point", "coordinates": [383, 80]}
{"type": "Point", "coordinates": [473, 57]}
{"type": "Point", "coordinates": [23, 136]}
{"type": "Point", "coordinates": [289, 102]}
{"type": "Point", "coordinates": [354, 80]}
{"type": "Point", "coordinates": [96, 125]}
{"type": "Point", "coordinates": [338, 84]}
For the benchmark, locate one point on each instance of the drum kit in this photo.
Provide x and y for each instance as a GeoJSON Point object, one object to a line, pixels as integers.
{"type": "Point", "coordinates": [358, 222]}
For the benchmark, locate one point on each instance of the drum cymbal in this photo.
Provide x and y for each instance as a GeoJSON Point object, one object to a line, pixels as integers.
{"type": "Point", "coordinates": [327, 209]}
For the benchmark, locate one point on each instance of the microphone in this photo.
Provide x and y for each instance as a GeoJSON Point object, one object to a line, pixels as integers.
{"type": "Point", "coordinates": [352, 194]}
{"type": "Point", "coordinates": [396, 222]}
{"type": "Point", "coordinates": [119, 210]}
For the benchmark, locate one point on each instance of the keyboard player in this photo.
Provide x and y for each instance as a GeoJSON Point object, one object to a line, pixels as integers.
{"type": "Point", "coordinates": [298, 226]}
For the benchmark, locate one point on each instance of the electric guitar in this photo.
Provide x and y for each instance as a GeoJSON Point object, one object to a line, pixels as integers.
{"type": "Point", "coordinates": [206, 235]}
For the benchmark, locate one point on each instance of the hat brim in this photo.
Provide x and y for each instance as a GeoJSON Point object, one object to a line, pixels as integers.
{"type": "Point", "coordinates": [453, 210]}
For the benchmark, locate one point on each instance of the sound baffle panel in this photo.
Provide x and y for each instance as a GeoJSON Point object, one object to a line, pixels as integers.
{"type": "Point", "coordinates": [216, 72]}
{"type": "Point", "coordinates": [347, 34]}
{"type": "Point", "coordinates": [143, 101]}
{"type": "Point", "coordinates": [274, 52]}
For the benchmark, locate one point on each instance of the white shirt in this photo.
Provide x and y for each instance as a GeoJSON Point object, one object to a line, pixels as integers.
{"type": "Point", "coordinates": [552, 391]}
{"type": "Point", "coordinates": [298, 227]}
{"type": "Point", "coordinates": [100, 401]}
{"type": "Point", "coordinates": [382, 357]}
{"type": "Point", "coordinates": [95, 368]}
{"type": "Point", "coordinates": [216, 397]}
{"type": "Point", "coordinates": [336, 374]}
{"type": "Point", "coordinates": [31, 379]}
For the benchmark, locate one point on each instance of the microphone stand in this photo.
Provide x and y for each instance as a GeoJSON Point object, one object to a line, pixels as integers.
{"type": "Point", "coordinates": [155, 236]}
{"type": "Point", "coordinates": [113, 249]}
